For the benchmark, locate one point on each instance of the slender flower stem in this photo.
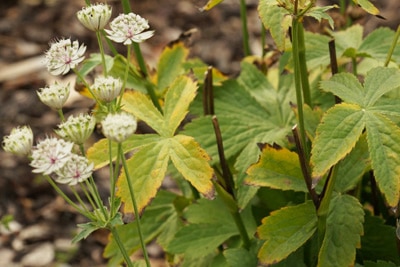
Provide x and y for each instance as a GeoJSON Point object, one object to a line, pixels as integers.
{"type": "Point", "coordinates": [245, 32]}
{"type": "Point", "coordinates": [393, 46]}
{"type": "Point", "coordinates": [88, 196]}
{"type": "Point", "coordinates": [134, 203]}
{"type": "Point", "coordinates": [354, 65]}
{"type": "Point", "coordinates": [121, 247]}
{"type": "Point", "coordinates": [79, 198]}
{"type": "Point", "coordinates": [127, 67]}
{"type": "Point", "coordinates": [61, 114]}
{"type": "Point", "coordinates": [101, 48]}
{"type": "Point", "coordinates": [112, 178]}
{"type": "Point", "coordinates": [96, 196]}
{"type": "Point", "coordinates": [86, 84]}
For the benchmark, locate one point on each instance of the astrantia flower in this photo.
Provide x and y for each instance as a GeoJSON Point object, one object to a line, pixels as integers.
{"type": "Point", "coordinates": [64, 55]}
{"type": "Point", "coordinates": [19, 142]}
{"type": "Point", "coordinates": [128, 28]}
{"type": "Point", "coordinates": [118, 127]}
{"type": "Point", "coordinates": [77, 129]}
{"type": "Point", "coordinates": [76, 170]}
{"type": "Point", "coordinates": [106, 89]}
{"type": "Point", "coordinates": [54, 95]}
{"type": "Point", "coordinates": [50, 155]}
{"type": "Point", "coordinates": [95, 17]}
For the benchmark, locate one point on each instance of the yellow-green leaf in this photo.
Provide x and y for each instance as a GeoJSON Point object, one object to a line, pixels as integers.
{"type": "Point", "coordinates": [285, 231]}
{"type": "Point", "coordinates": [383, 138]}
{"type": "Point", "coordinates": [278, 169]}
{"type": "Point", "coordinates": [147, 169]}
{"type": "Point", "coordinates": [211, 3]}
{"type": "Point", "coordinates": [177, 101]}
{"type": "Point", "coordinates": [192, 162]}
{"type": "Point", "coordinates": [99, 152]}
{"type": "Point", "coordinates": [141, 106]}
{"type": "Point", "coordinates": [170, 65]}
{"type": "Point", "coordinates": [337, 134]}
{"type": "Point", "coordinates": [367, 6]}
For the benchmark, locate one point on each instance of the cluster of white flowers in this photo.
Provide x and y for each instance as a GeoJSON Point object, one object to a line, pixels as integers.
{"type": "Point", "coordinates": [53, 156]}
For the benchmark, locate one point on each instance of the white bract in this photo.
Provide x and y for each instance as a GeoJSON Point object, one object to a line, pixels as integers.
{"type": "Point", "coordinates": [19, 142]}
{"type": "Point", "coordinates": [64, 55]}
{"type": "Point", "coordinates": [107, 89]}
{"type": "Point", "coordinates": [77, 129]}
{"type": "Point", "coordinates": [54, 95]}
{"type": "Point", "coordinates": [128, 28]}
{"type": "Point", "coordinates": [76, 170]}
{"type": "Point", "coordinates": [50, 155]}
{"type": "Point", "coordinates": [95, 17]}
{"type": "Point", "coordinates": [118, 127]}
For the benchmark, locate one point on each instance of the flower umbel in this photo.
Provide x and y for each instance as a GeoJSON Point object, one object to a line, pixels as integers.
{"type": "Point", "coordinates": [107, 89]}
{"type": "Point", "coordinates": [95, 17]}
{"type": "Point", "coordinates": [128, 28]}
{"type": "Point", "coordinates": [50, 155]}
{"type": "Point", "coordinates": [54, 95]}
{"type": "Point", "coordinates": [76, 170]}
{"type": "Point", "coordinates": [77, 129]}
{"type": "Point", "coordinates": [118, 127]}
{"type": "Point", "coordinates": [64, 55]}
{"type": "Point", "coordinates": [19, 142]}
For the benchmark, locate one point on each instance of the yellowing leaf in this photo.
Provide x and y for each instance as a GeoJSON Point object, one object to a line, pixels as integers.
{"type": "Point", "coordinates": [141, 106]}
{"type": "Point", "coordinates": [278, 169]}
{"type": "Point", "coordinates": [210, 4]}
{"type": "Point", "coordinates": [147, 169]}
{"type": "Point", "coordinates": [192, 162]}
{"type": "Point", "coordinates": [367, 6]}
{"type": "Point", "coordinates": [177, 101]}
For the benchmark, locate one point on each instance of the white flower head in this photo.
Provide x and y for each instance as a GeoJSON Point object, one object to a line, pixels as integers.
{"type": "Point", "coordinates": [76, 170]}
{"type": "Point", "coordinates": [95, 17]}
{"type": "Point", "coordinates": [50, 155]}
{"type": "Point", "coordinates": [106, 89]}
{"type": "Point", "coordinates": [64, 55]}
{"type": "Point", "coordinates": [118, 127]}
{"type": "Point", "coordinates": [54, 95]}
{"type": "Point", "coordinates": [77, 129]}
{"type": "Point", "coordinates": [19, 142]}
{"type": "Point", "coordinates": [128, 28]}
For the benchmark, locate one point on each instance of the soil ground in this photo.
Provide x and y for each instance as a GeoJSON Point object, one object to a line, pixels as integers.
{"type": "Point", "coordinates": [43, 225]}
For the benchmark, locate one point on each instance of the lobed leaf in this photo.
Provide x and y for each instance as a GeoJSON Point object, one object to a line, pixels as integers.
{"type": "Point", "coordinates": [383, 138]}
{"type": "Point", "coordinates": [336, 136]}
{"type": "Point", "coordinates": [344, 226]}
{"type": "Point", "coordinates": [285, 230]}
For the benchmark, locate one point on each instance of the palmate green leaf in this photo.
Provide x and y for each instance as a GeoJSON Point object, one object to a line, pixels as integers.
{"type": "Point", "coordinates": [170, 64]}
{"type": "Point", "coordinates": [159, 216]}
{"type": "Point", "coordinates": [384, 147]}
{"type": "Point", "coordinates": [344, 227]}
{"type": "Point", "coordinates": [276, 19]}
{"type": "Point", "coordinates": [346, 86]}
{"type": "Point", "coordinates": [285, 230]}
{"type": "Point", "coordinates": [278, 169]}
{"type": "Point", "coordinates": [240, 257]}
{"type": "Point", "coordinates": [367, 6]}
{"type": "Point", "coordinates": [349, 40]}
{"type": "Point", "coordinates": [337, 134]}
{"type": "Point", "coordinates": [387, 106]}
{"type": "Point", "coordinates": [99, 152]}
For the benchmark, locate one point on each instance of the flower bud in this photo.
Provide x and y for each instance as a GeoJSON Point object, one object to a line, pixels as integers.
{"type": "Point", "coordinates": [107, 89]}
{"type": "Point", "coordinates": [19, 142]}
{"type": "Point", "coordinates": [118, 127]}
{"type": "Point", "coordinates": [77, 129]}
{"type": "Point", "coordinates": [95, 17]}
{"type": "Point", "coordinates": [54, 95]}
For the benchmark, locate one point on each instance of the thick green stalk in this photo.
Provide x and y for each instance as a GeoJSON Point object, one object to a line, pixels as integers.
{"type": "Point", "coordinates": [121, 247]}
{"type": "Point", "coordinates": [298, 85]}
{"type": "Point", "coordinates": [135, 208]}
{"type": "Point", "coordinates": [303, 65]}
{"type": "Point", "coordinates": [245, 32]}
{"type": "Point", "coordinates": [392, 47]}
